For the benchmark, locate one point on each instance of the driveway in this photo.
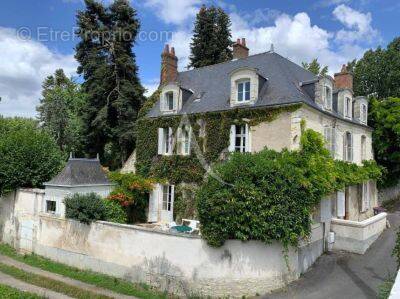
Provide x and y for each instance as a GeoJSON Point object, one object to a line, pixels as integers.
{"type": "Point", "coordinates": [346, 275]}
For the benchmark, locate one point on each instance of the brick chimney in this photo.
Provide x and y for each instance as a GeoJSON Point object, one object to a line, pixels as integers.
{"type": "Point", "coordinates": [239, 49]}
{"type": "Point", "coordinates": [169, 66]}
{"type": "Point", "coordinates": [344, 79]}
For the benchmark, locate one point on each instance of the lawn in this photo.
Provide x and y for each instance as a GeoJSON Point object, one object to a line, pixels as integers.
{"type": "Point", "coordinates": [10, 293]}
{"type": "Point", "coordinates": [97, 279]}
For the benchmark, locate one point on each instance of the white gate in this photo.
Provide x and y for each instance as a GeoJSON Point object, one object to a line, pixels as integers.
{"type": "Point", "coordinates": [26, 236]}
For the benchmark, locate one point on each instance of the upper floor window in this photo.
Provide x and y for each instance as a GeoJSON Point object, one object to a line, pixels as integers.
{"type": "Point", "coordinates": [347, 107]}
{"type": "Point", "coordinates": [330, 140]}
{"type": "Point", "coordinates": [328, 98]}
{"type": "Point", "coordinates": [363, 113]}
{"type": "Point", "coordinates": [184, 140]}
{"type": "Point", "coordinates": [348, 147]}
{"type": "Point", "coordinates": [363, 148]}
{"type": "Point", "coordinates": [165, 141]}
{"type": "Point", "coordinates": [239, 138]}
{"type": "Point", "coordinates": [243, 91]}
{"type": "Point", "coordinates": [168, 102]}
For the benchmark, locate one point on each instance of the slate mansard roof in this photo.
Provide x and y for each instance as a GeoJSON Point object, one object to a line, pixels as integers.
{"type": "Point", "coordinates": [80, 172]}
{"type": "Point", "coordinates": [281, 86]}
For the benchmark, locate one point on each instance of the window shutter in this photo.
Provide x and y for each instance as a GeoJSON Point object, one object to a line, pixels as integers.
{"type": "Point", "coordinates": [170, 140]}
{"type": "Point", "coordinates": [179, 141]}
{"type": "Point", "coordinates": [232, 138]}
{"type": "Point", "coordinates": [160, 141]}
{"type": "Point", "coordinates": [172, 199]}
{"type": "Point", "coordinates": [154, 204]}
{"type": "Point", "coordinates": [248, 138]}
{"type": "Point", "coordinates": [341, 202]}
{"type": "Point", "coordinates": [341, 105]}
{"type": "Point", "coordinates": [344, 147]}
{"type": "Point", "coordinates": [351, 148]}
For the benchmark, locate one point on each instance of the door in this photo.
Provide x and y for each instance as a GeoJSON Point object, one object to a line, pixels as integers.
{"type": "Point", "coordinates": [26, 236]}
{"type": "Point", "coordinates": [167, 204]}
{"type": "Point", "coordinates": [154, 204]}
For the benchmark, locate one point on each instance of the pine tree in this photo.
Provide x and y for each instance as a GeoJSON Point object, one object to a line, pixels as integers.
{"type": "Point", "coordinates": [109, 68]}
{"type": "Point", "coordinates": [315, 68]}
{"type": "Point", "coordinates": [211, 42]}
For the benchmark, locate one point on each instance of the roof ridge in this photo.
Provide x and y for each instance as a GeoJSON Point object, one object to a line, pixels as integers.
{"type": "Point", "coordinates": [225, 62]}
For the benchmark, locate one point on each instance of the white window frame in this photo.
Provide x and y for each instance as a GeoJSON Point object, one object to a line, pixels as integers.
{"type": "Point", "coordinates": [348, 147]}
{"type": "Point", "coordinates": [168, 194]}
{"type": "Point", "coordinates": [165, 103]}
{"type": "Point", "coordinates": [241, 90]}
{"type": "Point", "coordinates": [165, 141]}
{"type": "Point", "coordinates": [330, 140]}
{"type": "Point", "coordinates": [365, 197]}
{"type": "Point", "coordinates": [245, 138]}
{"type": "Point", "coordinates": [347, 107]}
{"type": "Point", "coordinates": [363, 113]}
{"type": "Point", "coordinates": [184, 140]}
{"type": "Point", "coordinates": [46, 206]}
{"type": "Point", "coordinates": [328, 97]}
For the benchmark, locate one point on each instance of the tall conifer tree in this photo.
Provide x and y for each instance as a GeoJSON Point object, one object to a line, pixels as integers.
{"type": "Point", "coordinates": [211, 42]}
{"type": "Point", "coordinates": [109, 69]}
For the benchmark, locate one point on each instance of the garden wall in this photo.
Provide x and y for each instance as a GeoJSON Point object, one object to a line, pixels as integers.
{"type": "Point", "coordinates": [177, 263]}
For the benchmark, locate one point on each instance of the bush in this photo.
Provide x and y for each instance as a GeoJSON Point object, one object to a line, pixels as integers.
{"type": "Point", "coordinates": [396, 250]}
{"type": "Point", "coordinates": [115, 212]}
{"type": "Point", "coordinates": [28, 155]}
{"type": "Point", "coordinates": [85, 208]}
{"type": "Point", "coordinates": [270, 195]}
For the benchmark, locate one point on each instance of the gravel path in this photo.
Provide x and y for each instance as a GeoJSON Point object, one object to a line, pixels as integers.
{"type": "Point", "coordinates": [76, 283]}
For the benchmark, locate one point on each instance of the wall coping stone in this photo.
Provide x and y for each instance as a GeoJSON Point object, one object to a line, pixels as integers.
{"type": "Point", "coordinates": [359, 224]}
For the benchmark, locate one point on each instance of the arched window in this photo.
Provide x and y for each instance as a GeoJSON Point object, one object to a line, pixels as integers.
{"type": "Point", "coordinates": [348, 147]}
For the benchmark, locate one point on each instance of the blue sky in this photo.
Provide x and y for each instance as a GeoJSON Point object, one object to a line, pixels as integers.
{"type": "Point", "coordinates": [334, 31]}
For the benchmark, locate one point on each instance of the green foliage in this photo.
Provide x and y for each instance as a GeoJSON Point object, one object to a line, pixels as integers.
{"type": "Point", "coordinates": [60, 112]}
{"type": "Point", "coordinates": [29, 156]}
{"type": "Point", "coordinates": [110, 74]}
{"type": "Point", "coordinates": [315, 68]}
{"type": "Point", "coordinates": [10, 293]}
{"type": "Point", "coordinates": [270, 195]}
{"type": "Point", "coordinates": [396, 250]}
{"type": "Point", "coordinates": [132, 193]}
{"type": "Point", "coordinates": [185, 202]}
{"type": "Point", "coordinates": [85, 208]}
{"type": "Point", "coordinates": [385, 119]}
{"type": "Point", "coordinates": [211, 41]}
{"type": "Point", "coordinates": [188, 169]}
{"type": "Point", "coordinates": [115, 212]}
{"type": "Point", "coordinates": [378, 72]}
{"type": "Point", "coordinates": [101, 280]}
{"type": "Point", "coordinates": [385, 288]}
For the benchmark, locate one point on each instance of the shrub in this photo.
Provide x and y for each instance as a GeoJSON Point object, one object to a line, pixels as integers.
{"type": "Point", "coordinates": [115, 212]}
{"type": "Point", "coordinates": [28, 155]}
{"type": "Point", "coordinates": [132, 193]}
{"type": "Point", "coordinates": [396, 250]}
{"type": "Point", "coordinates": [270, 195]}
{"type": "Point", "coordinates": [85, 208]}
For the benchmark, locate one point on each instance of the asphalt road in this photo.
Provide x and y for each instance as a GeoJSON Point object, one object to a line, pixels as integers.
{"type": "Point", "coordinates": [344, 275]}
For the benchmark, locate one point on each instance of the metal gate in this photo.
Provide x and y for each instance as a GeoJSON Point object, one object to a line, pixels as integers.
{"type": "Point", "coordinates": [26, 236]}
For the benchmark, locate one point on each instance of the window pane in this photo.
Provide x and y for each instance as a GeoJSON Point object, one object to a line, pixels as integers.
{"type": "Point", "coordinates": [247, 91]}
{"type": "Point", "coordinates": [170, 101]}
{"type": "Point", "coordinates": [50, 206]}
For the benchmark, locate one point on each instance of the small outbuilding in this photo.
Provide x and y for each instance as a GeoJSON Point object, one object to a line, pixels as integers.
{"type": "Point", "coordinates": [78, 176]}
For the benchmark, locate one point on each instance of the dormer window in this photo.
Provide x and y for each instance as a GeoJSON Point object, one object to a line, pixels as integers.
{"type": "Point", "coordinates": [328, 98]}
{"type": "Point", "coordinates": [243, 91]}
{"type": "Point", "coordinates": [169, 99]}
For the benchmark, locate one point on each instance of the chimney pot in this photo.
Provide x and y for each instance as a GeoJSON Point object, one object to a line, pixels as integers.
{"type": "Point", "coordinates": [173, 51]}
{"type": "Point", "coordinates": [344, 79]}
{"type": "Point", "coordinates": [238, 41]}
{"type": "Point", "coordinates": [169, 66]}
{"type": "Point", "coordinates": [243, 42]}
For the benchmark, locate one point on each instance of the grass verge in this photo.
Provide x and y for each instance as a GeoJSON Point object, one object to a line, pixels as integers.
{"type": "Point", "coordinates": [11, 293]}
{"type": "Point", "coordinates": [49, 284]}
{"type": "Point", "coordinates": [385, 288]}
{"type": "Point", "coordinates": [97, 279]}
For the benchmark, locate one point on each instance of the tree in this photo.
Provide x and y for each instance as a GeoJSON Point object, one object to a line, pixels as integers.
{"type": "Point", "coordinates": [377, 73]}
{"type": "Point", "coordinates": [60, 111]}
{"type": "Point", "coordinates": [385, 119]}
{"type": "Point", "coordinates": [29, 156]}
{"type": "Point", "coordinates": [211, 41]}
{"type": "Point", "coordinates": [109, 69]}
{"type": "Point", "coordinates": [315, 68]}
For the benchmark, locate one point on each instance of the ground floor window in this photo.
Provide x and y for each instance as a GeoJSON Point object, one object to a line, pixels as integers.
{"type": "Point", "coordinates": [168, 195]}
{"type": "Point", "coordinates": [51, 206]}
{"type": "Point", "coordinates": [240, 138]}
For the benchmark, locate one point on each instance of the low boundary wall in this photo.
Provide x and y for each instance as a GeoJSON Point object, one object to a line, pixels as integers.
{"type": "Point", "coordinates": [356, 236]}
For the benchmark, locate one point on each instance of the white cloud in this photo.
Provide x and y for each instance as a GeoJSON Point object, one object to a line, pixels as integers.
{"type": "Point", "coordinates": [174, 11]}
{"type": "Point", "coordinates": [358, 24]}
{"type": "Point", "coordinates": [151, 86]}
{"type": "Point", "coordinates": [23, 66]}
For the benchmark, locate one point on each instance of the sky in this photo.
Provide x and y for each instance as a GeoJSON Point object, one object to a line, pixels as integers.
{"type": "Point", "coordinates": [36, 36]}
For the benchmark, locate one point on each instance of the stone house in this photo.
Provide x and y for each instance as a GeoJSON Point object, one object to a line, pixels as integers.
{"type": "Point", "coordinates": [78, 176]}
{"type": "Point", "coordinates": [262, 81]}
